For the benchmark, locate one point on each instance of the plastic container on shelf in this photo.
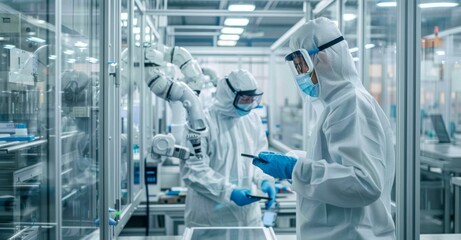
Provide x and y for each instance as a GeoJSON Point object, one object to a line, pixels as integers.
{"type": "Point", "coordinates": [21, 129]}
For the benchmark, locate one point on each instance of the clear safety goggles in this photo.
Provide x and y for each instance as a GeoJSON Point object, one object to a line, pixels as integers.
{"type": "Point", "coordinates": [300, 61]}
{"type": "Point", "coordinates": [245, 100]}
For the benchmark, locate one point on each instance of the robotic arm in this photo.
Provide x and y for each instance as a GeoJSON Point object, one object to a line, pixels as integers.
{"type": "Point", "coordinates": [169, 90]}
{"type": "Point", "coordinates": [180, 57]}
{"type": "Point", "coordinates": [164, 145]}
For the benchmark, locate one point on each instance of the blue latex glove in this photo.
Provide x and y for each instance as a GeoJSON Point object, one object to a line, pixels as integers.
{"type": "Point", "coordinates": [239, 196]}
{"type": "Point", "coordinates": [278, 165]}
{"type": "Point", "coordinates": [269, 188]}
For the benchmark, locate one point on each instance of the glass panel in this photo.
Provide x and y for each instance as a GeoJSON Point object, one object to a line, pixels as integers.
{"type": "Point", "coordinates": [440, 106]}
{"type": "Point", "coordinates": [80, 122]}
{"type": "Point", "coordinates": [330, 12]}
{"type": "Point", "coordinates": [379, 76]}
{"type": "Point", "coordinates": [124, 88]}
{"type": "Point", "coordinates": [27, 77]}
{"type": "Point", "coordinates": [136, 82]}
{"type": "Point", "coordinates": [351, 26]}
{"type": "Point", "coordinates": [380, 56]}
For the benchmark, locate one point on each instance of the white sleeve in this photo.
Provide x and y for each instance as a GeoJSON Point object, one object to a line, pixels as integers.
{"type": "Point", "coordinates": [354, 175]}
{"type": "Point", "coordinates": [198, 175]}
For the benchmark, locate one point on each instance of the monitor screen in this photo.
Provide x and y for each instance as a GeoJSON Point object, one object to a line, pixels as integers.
{"type": "Point", "coordinates": [439, 127]}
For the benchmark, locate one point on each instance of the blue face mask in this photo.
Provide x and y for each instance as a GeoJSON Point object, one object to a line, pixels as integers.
{"type": "Point", "coordinates": [243, 106]}
{"type": "Point", "coordinates": [307, 86]}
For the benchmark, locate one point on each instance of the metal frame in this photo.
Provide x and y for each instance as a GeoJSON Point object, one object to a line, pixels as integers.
{"type": "Point", "coordinates": [408, 126]}
{"type": "Point", "coordinates": [104, 163]}
{"type": "Point", "coordinates": [135, 197]}
{"type": "Point", "coordinates": [321, 6]}
{"type": "Point", "coordinates": [223, 13]}
{"type": "Point", "coordinates": [307, 108]}
{"type": "Point", "coordinates": [114, 107]}
{"type": "Point", "coordinates": [361, 43]}
{"type": "Point", "coordinates": [234, 51]}
{"type": "Point", "coordinates": [131, 45]}
{"type": "Point", "coordinates": [339, 14]}
{"type": "Point", "coordinates": [55, 145]}
{"type": "Point", "coordinates": [285, 37]}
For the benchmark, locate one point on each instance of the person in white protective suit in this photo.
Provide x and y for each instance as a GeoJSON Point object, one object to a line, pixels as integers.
{"type": "Point", "coordinates": [344, 180]}
{"type": "Point", "coordinates": [219, 183]}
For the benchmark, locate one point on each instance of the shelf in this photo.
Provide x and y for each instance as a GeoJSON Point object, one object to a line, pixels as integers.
{"type": "Point", "coordinates": [20, 146]}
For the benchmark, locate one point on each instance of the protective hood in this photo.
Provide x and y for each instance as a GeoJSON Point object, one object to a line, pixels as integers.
{"type": "Point", "coordinates": [333, 66]}
{"type": "Point", "coordinates": [241, 80]}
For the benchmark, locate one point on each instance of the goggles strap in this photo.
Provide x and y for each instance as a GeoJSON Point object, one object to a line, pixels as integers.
{"type": "Point", "coordinates": [329, 44]}
{"type": "Point", "coordinates": [230, 86]}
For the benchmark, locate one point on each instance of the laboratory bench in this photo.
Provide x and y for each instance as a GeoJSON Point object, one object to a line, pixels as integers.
{"type": "Point", "coordinates": [293, 237]}
{"type": "Point", "coordinates": [235, 233]}
{"type": "Point", "coordinates": [456, 181]}
{"type": "Point", "coordinates": [440, 237]}
{"type": "Point", "coordinates": [444, 162]}
{"type": "Point", "coordinates": [168, 219]}
{"type": "Point", "coordinates": [279, 237]}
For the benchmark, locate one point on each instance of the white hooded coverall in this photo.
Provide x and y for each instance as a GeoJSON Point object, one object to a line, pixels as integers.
{"type": "Point", "coordinates": [344, 180]}
{"type": "Point", "coordinates": [210, 180]}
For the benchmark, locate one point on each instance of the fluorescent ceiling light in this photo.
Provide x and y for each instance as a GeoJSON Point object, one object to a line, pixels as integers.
{"type": "Point", "coordinates": [81, 44]}
{"type": "Point", "coordinates": [387, 4]}
{"type": "Point", "coordinates": [147, 30]}
{"type": "Point", "coordinates": [229, 37]}
{"type": "Point", "coordinates": [2, 38]}
{"type": "Point", "coordinates": [421, 5]}
{"type": "Point", "coordinates": [91, 59]}
{"type": "Point", "coordinates": [349, 17]}
{"type": "Point", "coordinates": [135, 21]}
{"type": "Point", "coordinates": [52, 57]}
{"type": "Point", "coordinates": [36, 39]}
{"type": "Point", "coordinates": [40, 21]}
{"type": "Point", "coordinates": [230, 30]}
{"type": "Point", "coordinates": [9, 46]}
{"type": "Point", "coordinates": [72, 60]}
{"type": "Point", "coordinates": [242, 7]}
{"type": "Point", "coordinates": [236, 21]}
{"type": "Point", "coordinates": [438, 4]}
{"type": "Point", "coordinates": [356, 59]}
{"type": "Point", "coordinates": [147, 38]}
{"type": "Point", "coordinates": [226, 43]}
{"type": "Point", "coordinates": [370, 45]}
{"type": "Point", "coordinates": [136, 30]}
{"type": "Point", "coordinates": [137, 37]}
{"type": "Point", "coordinates": [68, 52]}
{"type": "Point", "coordinates": [440, 53]}
{"type": "Point", "coordinates": [354, 49]}
{"type": "Point", "coordinates": [124, 16]}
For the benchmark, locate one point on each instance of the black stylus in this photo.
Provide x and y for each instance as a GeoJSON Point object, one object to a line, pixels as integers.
{"type": "Point", "coordinates": [254, 157]}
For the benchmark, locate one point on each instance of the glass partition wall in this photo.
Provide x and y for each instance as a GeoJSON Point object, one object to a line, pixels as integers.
{"type": "Point", "coordinates": [440, 68]}
{"type": "Point", "coordinates": [62, 88]}
{"type": "Point", "coordinates": [29, 166]}
{"type": "Point", "coordinates": [80, 102]}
